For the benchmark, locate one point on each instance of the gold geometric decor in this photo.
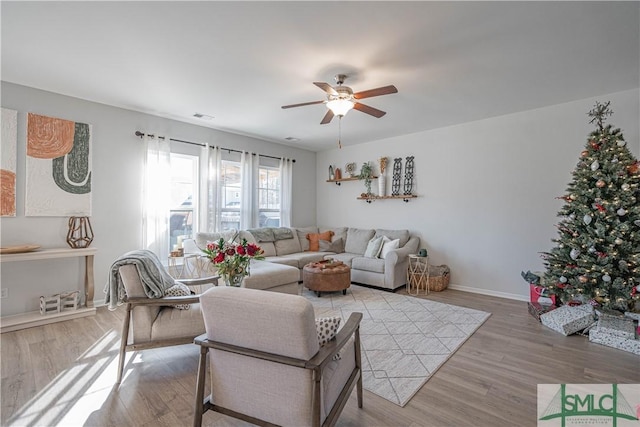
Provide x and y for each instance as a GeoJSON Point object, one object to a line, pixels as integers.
{"type": "Point", "coordinates": [80, 234]}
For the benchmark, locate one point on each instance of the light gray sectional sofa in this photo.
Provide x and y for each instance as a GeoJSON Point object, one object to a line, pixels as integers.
{"type": "Point", "coordinates": [290, 247]}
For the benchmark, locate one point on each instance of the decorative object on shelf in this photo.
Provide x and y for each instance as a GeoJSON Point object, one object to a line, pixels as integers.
{"type": "Point", "coordinates": [18, 249]}
{"type": "Point", "coordinates": [332, 175]}
{"type": "Point", "coordinates": [371, 197]}
{"type": "Point", "coordinates": [80, 234]}
{"type": "Point", "coordinates": [366, 173]}
{"type": "Point", "coordinates": [408, 176]}
{"type": "Point", "coordinates": [422, 253]}
{"type": "Point", "coordinates": [232, 261]}
{"type": "Point", "coordinates": [59, 302]}
{"type": "Point", "coordinates": [350, 168]}
{"type": "Point", "coordinates": [338, 173]}
{"type": "Point", "coordinates": [397, 172]}
{"type": "Point", "coordinates": [382, 179]}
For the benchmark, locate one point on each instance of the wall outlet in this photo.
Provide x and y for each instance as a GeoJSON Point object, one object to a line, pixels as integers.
{"type": "Point", "coordinates": [4, 293]}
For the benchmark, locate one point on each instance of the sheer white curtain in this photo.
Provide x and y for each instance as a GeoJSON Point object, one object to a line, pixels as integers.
{"type": "Point", "coordinates": [210, 203]}
{"type": "Point", "coordinates": [249, 212]}
{"type": "Point", "coordinates": [156, 203]}
{"type": "Point", "coordinates": [286, 191]}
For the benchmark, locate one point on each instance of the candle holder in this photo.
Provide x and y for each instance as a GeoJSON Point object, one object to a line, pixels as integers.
{"type": "Point", "coordinates": [80, 234]}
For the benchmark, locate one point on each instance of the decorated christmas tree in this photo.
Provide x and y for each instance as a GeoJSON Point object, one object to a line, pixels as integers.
{"type": "Point", "coordinates": [597, 254]}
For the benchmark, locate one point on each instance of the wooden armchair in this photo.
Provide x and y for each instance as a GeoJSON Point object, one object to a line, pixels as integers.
{"type": "Point", "coordinates": [265, 363]}
{"type": "Point", "coordinates": [154, 322]}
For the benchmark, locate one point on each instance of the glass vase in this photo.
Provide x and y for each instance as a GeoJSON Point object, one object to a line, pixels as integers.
{"type": "Point", "coordinates": [234, 280]}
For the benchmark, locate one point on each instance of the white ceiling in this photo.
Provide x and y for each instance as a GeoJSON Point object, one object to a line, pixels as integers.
{"type": "Point", "coordinates": [452, 62]}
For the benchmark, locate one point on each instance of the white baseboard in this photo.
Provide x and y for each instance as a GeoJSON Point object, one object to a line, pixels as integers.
{"type": "Point", "coordinates": [98, 302]}
{"type": "Point", "coordinates": [490, 292]}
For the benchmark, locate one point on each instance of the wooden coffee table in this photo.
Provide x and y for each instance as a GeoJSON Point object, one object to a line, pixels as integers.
{"type": "Point", "coordinates": [327, 276]}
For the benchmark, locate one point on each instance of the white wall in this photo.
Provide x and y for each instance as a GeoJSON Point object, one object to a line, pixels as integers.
{"type": "Point", "coordinates": [117, 177]}
{"type": "Point", "coordinates": [487, 189]}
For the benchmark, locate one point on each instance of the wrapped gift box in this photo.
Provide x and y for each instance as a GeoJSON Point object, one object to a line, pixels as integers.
{"type": "Point", "coordinates": [536, 309]}
{"type": "Point", "coordinates": [618, 326]}
{"type": "Point", "coordinates": [568, 319]}
{"type": "Point", "coordinates": [539, 294]}
{"type": "Point", "coordinates": [598, 336]}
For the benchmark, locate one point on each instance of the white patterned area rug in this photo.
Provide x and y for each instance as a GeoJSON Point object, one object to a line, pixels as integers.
{"type": "Point", "coordinates": [404, 339]}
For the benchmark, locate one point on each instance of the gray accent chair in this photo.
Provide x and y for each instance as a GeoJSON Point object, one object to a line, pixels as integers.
{"type": "Point", "coordinates": [265, 364]}
{"type": "Point", "coordinates": [154, 322]}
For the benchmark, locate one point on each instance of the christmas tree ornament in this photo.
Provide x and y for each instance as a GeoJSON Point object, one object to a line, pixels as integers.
{"type": "Point", "coordinates": [614, 160]}
{"type": "Point", "coordinates": [623, 265]}
{"type": "Point", "coordinates": [621, 143]}
{"type": "Point", "coordinates": [600, 183]}
{"type": "Point", "coordinates": [572, 196]}
{"type": "Point", "coordinates": [595, 165]}
{"type": "Point", "coordinates": [563, 279]}
{"type": "Point", "coordinates": [637, 222]}
{"type": "Point", "coordinates": [592, 249]}
{"type": "Point", "coordinates": [585, 153]}
{"type": "Point", "coordinates": [618, 241]}
{"type": "Point", "coordinates": [574, 254]}
{"type": "Point", "coordinates": [626, 187]}
{"type": "Point", "coordinates": [606, 278]}
{"type": "Point", "coordinates": [572, 216]}
{"type": "Point", "coordinates": [587, 219]}
{"type": "Point", "coordinates": [634, 167]}
{"type": "Point", "coordinates": [621, 212]}
{"type": "Point", "coordinates": [583, 279]}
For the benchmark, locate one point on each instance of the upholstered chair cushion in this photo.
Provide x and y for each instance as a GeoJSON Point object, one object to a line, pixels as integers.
{"type": "Point", "coordinates": [357, 240]}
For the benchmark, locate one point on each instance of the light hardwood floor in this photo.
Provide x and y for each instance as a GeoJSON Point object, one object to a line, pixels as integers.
{"type": "Point", "coordinates": [63, 374]}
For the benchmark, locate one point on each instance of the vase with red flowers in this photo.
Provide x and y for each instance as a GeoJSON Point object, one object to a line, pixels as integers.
{"type": "Point", "coordinates": [233, 260]}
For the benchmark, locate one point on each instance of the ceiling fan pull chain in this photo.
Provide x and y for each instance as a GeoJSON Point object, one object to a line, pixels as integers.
{"type": "Point", "coordinates": [340, 132]}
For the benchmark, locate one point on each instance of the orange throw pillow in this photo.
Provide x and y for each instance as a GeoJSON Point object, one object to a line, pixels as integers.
{"type": "Point", "coordinates": [314, 239]}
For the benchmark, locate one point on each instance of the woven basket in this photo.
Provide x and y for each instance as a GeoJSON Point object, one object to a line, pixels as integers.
{"type": "Point", "coordinates": [438, 278]}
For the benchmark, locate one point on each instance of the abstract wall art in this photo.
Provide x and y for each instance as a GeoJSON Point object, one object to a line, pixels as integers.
{"type": "Point", "coordinates": [58, 167]}
{"type": "Point", "coordinates": [8, 162]}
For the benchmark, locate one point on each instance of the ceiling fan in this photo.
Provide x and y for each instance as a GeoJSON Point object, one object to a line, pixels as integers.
{"type": "Point", "coordinates": [341, 99]}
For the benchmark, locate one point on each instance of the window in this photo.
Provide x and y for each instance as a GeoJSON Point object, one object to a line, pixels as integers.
{"type": "Point", "coordinates": [183, 197]}
{"type": "Point", "coordinates": [269, 196]}
{"type": "Point", "coordinates": [231, 183]}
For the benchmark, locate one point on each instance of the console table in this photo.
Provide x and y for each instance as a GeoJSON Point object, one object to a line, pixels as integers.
{"type": "Point", "coordinates": [27, 320]}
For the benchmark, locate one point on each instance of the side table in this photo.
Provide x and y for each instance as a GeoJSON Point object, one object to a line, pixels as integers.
{"type": "Point", "coordinates": [418, 274]}
{"type": "Point", "coordinates": [179, 267]}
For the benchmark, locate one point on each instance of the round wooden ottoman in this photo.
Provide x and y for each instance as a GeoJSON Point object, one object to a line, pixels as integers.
{"type": "Point", "coordinates": [327, 276]}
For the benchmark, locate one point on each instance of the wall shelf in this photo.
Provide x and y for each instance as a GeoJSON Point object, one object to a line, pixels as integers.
{"type": "Point", "coordinates": [355, 178]}
{"type": "Point", "coordinates": [403, 197]}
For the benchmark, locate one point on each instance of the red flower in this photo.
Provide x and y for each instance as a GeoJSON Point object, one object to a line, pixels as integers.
{"type": "Point", "coordinates": [231, 251]}
{"type": "Point", "coordinates": [241, 250]}
{"type": "Point", "coordinates": [219, 258]}
{"type": "Point", "coordinates": [211, 246]}
{"type": "Point", "coordinates": [253, 249]}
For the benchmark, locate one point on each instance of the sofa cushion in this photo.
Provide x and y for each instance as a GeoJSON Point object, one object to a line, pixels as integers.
{"type": "Point", "coordinates": [302, 236]}
{"type": "Point", "coordinates": [388, 245]}
{"type": "Point", "coordinates": [304, 258]}
{"type": "Point", "coordinates": [314, 238]}
{"type": "Point", "coordinates": [283, 233]}
{"type": "Point", "coordinates": [374, 247]}
{"type": "Point", "coordinates": [269, 248]}
{"type": "Point", "coordinates": [375, 265]}
{"type": "Point", "coordinates": [403, 235]}
{"type": "Point", "coordinates": [336, 246]}
{"type": "Point", "coordinates": [288, 246]}
{"type": "Point", "coordinates": [357, 240]}
{"type": "Point", "coordinates": [284, 260]}
{"type": "Point", "coordinates": [266, 275]}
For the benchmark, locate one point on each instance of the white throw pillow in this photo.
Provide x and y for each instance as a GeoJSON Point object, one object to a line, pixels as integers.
{"type": "Point", "coordinates": [388, 246]}
{"type": "Point", "coordinates": [373, 247]}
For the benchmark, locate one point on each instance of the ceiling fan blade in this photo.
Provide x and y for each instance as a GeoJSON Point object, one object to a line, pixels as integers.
{"type": "Point", "coordinates": [303, 104]}
{"type": "Point", "coordinates": [326, 87]}
{"type": "Point", "coordinates": [369, 110]}
{"type": "Point", "coordinates": [386, 90]}
{"type": "Point", "coordinates": [327, 117]}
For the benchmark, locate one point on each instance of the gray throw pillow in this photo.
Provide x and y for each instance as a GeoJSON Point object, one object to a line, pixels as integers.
{"type": "Point", "coordinates": [336, 246]}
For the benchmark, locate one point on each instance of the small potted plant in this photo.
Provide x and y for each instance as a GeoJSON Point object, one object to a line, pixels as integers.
{"type": "Point", "coordinates": [366, 173]}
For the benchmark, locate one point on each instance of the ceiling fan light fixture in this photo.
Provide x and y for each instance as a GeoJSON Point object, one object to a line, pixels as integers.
{"type": "Point", "coordinates": [340, 106]}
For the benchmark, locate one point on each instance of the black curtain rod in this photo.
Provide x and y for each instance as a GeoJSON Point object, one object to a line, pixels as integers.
{"type": "Point", "coordinates": [141, 134]}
